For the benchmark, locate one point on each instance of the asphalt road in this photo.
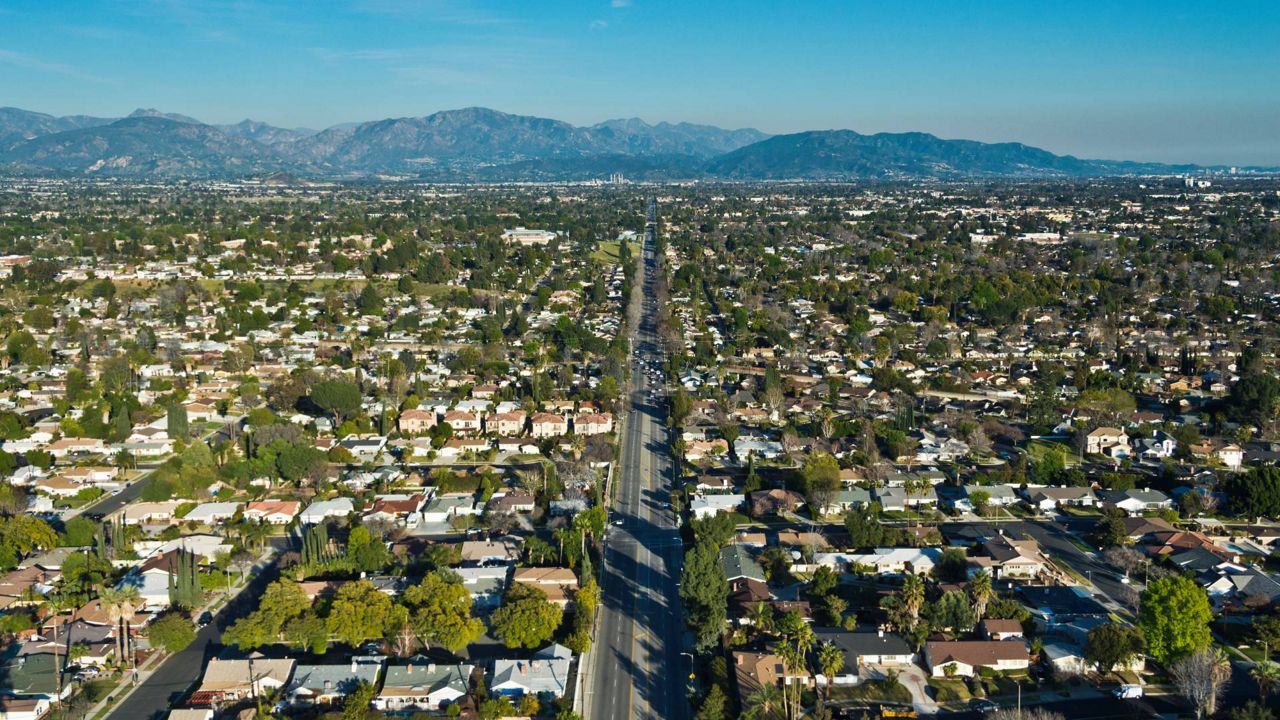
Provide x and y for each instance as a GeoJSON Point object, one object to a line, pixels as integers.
{"type": "Point", "coordinates": [638, 670]}
{"type": "Point", "coordinates": [171, 681]}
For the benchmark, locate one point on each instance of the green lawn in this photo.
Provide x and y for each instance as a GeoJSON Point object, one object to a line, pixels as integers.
{"type": "Point", "coordinates": [1037, 449]}
{"type": "Point", "coordinates": [873, 691]}
{"type": "Point", "coordinates": [608, 251]}
{"type": "Point", "coordinates": [949, 690]}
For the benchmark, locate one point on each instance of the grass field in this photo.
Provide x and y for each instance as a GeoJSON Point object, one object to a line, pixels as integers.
{"type": "Point", "coordinates": [1037, 449]}
{"type": "Point", "coordinates": [608, 251]}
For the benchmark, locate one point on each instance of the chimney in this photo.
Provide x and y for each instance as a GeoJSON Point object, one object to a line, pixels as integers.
{"type": "Point", "coordinates": [880, 632]}
{"type": "Point", "coordinates": [431, 667]}
{"type": "Point", "coordinates": [328, 685]}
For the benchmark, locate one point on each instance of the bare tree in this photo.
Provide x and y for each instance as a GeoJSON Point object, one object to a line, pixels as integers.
{"type": "Point", "coordinates": [1200, 678]}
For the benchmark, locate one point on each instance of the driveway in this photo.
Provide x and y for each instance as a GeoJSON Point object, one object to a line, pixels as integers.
{"type": "Point", "coordinates": [914, 679]}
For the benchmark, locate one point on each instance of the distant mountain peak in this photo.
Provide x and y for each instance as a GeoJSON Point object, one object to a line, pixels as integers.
{"type": "Point", "coordinates": [152, 112]}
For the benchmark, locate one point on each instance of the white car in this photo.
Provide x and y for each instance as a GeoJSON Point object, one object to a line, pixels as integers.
{"type": "Point", "coordinates": [1128, 692]}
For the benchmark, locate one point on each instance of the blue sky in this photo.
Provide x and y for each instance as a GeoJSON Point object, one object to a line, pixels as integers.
{"type": "Point", "coordinates": [1165, 81]}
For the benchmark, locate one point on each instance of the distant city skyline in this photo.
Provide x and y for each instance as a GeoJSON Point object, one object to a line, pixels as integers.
{"type": "Point", "coordinates": [1147, 81]}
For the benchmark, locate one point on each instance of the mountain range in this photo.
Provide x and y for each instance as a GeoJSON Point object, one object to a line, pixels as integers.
{"type": "Point", "coordinates": [478, 144]}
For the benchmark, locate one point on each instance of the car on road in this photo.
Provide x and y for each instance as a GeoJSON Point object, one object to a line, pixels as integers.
{"type": "Point", "coordinates": [986, 707]}
{"type": "Point", "coordinates": [1128, 692]}
{"type": "Point", "coordinates": [206, 617]}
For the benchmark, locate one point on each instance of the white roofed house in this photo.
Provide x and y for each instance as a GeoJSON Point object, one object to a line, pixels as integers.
{"type": "Point", "coordinates": [321, 510]}
{"type": "Point", "coordinates": [212, 513]}
{"type": "Point", "coordinates": [545, 675]}
{"type": "Point", "coordinates": [704, 506]}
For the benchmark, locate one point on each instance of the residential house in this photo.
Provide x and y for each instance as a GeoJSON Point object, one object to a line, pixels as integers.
{"type": "Point", "coordinates": [1109, 441]}
{"type": "Point", "coordinates": [1048, 499]}
{"type": "Point", "coordinates": [595, 424]}
{"type": "Point", "coordinates": [486, 552]}
{"type": "Point", "coordinates": [416, 421]}
{"type": "Point", "coordinates": [558, 584]}
{"type": "Point", "coordinates": [738, 563]}
{"type": "Point", "coordinates": [420, 685]}
{"type": "Point", "coordinates": [485, 584]}
{"type": "Point", "coordinates": [704, 506]}
{"type": "Point", "coordinates": [1136, 500]}
{"type": "Point", "coordinates": [212, 513]}
{"type": "Point", "coordinates": [330, 683]}
{"type": "Point", "coordinates": [230, 681]}
{"type": "Point", "coordinates": [150, 513]}
{"type": "Point", "coordinates": [462, 422]}
{"type": "Point", "coordinates": [545, 675]}
{"type": "Point", "coordinates": [897, 499]}
{"type": "Point", "coordinates": [321, 510]}
{"type": "Point", "coordinates": [863, 650]}
{"type": "Point", "coordinates": [755, 670]}
{"type": "Point", "coordinates": [273, 512]}
{"type": "Point", "coordinates": [765, 503]}
{"type": "Point", "coordinates": [1008, 559]}
{"type": "Point", "coordinates": [546, 425]}
{"type": "Point", "coordinates": [507, 424]}
{"type": "Point", "coordinates": [994, 629]}
{"type": "Point", "coordinates": [964, 658]}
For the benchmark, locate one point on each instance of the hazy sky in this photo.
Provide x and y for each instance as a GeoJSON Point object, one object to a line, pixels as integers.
{"type": "Point", "coordinates": [1166, 81]}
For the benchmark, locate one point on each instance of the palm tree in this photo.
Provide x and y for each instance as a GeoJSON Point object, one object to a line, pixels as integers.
{"type": "Point", "coordinates": [913, 597]}
{"type": "Point", "coordinates": [761, 617]}
{"type": "Point", "coordinates": [764, 704]}
{"type": "Point", "coordinates": [980, 589]}
{"type": "Point", "coordinates": [56, 603]}
{"type": "Point", "coordinates": [120, 604]}
{"type": "Point", "coordinates": [1267, 675]}
{"type": "Point", "coordinates": [794, 661]}
{"type": "Point", "coordinates": [112, 602]}
{"type": "Point", "coordinates": [830, 662]}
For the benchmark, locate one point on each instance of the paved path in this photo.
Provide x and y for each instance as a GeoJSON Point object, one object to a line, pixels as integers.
{"type": "Point", "coordinates": [635, 669]}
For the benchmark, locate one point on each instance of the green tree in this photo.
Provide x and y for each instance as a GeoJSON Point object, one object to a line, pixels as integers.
{"type": "Point", "coordinates": [356, 706]}
{"type": "Point", "coordinates": [951, 612]}
{"type": "Point", "coordinates": [863, 524]}
{"type": "Point", "coordinates": [177, 424]}
{"type": "Point", "coordinates": [715, 706]}
{"type": "Point", "coordinates": [821, 476]}
{"type": "Point", "coordinates": [440, 612]}
{"type": "Point", "coordinates": [172, 631]}
{"type": "Point", "coordinates": [1254, 494]}
{"type": "Point", "coordinates": [338, 397]}
{"type": "Point", "coordinates": [359, 612]}
{"type": "Point", "coordinates": [526, 619]}
{"type": "Point", "coordinates": [1112, 645]}
{"type": "Point", "coordinates": [1175, 618]}
{"type": "Point", "coordinates": [705, 593]}
{"type": "Point", "coordinates": [366, 551]}
{"type": "Point", "coordinates": [297, 462]}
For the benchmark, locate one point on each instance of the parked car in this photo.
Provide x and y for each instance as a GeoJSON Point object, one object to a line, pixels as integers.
{"type": "Point", "coordinates": [1128, 692]}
